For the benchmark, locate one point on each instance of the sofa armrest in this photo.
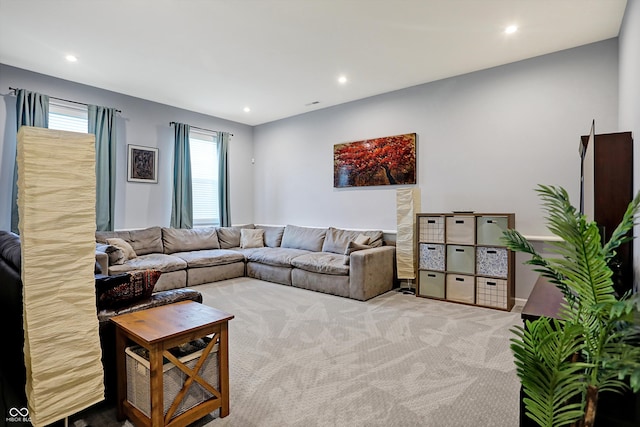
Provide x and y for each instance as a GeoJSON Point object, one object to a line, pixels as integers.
{"type": "Point", "coordinates": [103, 261]}
{"type": "Point", "coordinates": [371, 272]}
{"type": "Point", "coordinates": [155, 300]}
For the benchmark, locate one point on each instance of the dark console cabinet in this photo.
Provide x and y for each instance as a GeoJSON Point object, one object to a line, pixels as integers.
{"type": "Point", "coordinates": [608, 190]}
{"type": "Point", "coordinates": [610, 182]}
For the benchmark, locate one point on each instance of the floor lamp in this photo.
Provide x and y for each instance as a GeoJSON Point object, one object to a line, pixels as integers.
{"type": "Point", "coordinates": [407, 206]}
{"type": "Point", "coordinates": [56, 206]}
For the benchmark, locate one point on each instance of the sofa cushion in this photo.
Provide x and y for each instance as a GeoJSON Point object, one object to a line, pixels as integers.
{"type": "Point", "coordinates": [361, 240]}
{"type": "Point", "coordinates": [125, 248]}
{"type": "Point", "coordinates": [376, 237]}
{"type": "Point", "coordinates": [352, 247]}
{"type": "Point", "coordinates": [246, 251]}
{"type": "Point", "coordinates": [337, 240]}
{"type": "Point", "coordinates": [229, 237]}
{"type": "Point", "coordinates": [306, 238]}
{"type": "Point", "coordinates": [185, 240]}
{"type": "Point", "coordinates": [272, 235]}
{"type": "Point", "coordinates": [251, 238]}
{"type": "Point", "coordinates": [322, 262]}
{"type": "Point", "coordinates": [209, 257]}
{"type": "Point", "coordinates": [278, 257]}
{"type": "Point", "coordinates": [145, 241]}
{"type": "Point", "coordinates": [115, 254]}
{"type": "Point", "coordinates": [102, 236]}
{"type": "Point", "coordinates": [158, 261]}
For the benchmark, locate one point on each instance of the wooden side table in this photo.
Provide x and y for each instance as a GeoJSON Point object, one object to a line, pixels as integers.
{"type": "Point", "coordinates": [158, 329]}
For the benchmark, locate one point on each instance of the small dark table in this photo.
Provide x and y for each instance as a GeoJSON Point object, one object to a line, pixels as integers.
{"type": "Point", "coordinates": [545, 300]}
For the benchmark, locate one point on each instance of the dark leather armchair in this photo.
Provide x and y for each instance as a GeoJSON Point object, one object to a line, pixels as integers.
{"type": "Point", "coordinates": [12, 369]}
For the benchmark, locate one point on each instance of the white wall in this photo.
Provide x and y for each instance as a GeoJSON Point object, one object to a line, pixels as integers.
{"type": "Point", "coordinates": [629, 115]}
{"type": "Point", "coordinates": [485, 140]}
{"type": "Point", "coordinates": [141, 122]}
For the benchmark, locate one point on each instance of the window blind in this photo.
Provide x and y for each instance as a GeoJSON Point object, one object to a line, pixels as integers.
{"type": "Point", "coordinates": [68, 116]}
{"type": "Point", "coordinates": [204, 177]}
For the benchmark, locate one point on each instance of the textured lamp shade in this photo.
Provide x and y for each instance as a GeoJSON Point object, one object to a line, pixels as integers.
{"type": "Point", "coordinates": [56, 206]}
{"type": "Point", "coordinates": [408, 205]}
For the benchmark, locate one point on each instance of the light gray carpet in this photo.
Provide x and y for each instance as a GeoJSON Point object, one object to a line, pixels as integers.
{"type": "Point", "coordinates": [302, 358]}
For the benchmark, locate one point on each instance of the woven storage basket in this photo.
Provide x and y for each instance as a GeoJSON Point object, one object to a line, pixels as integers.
{"type": "Point", "coordinates": [173, 380]}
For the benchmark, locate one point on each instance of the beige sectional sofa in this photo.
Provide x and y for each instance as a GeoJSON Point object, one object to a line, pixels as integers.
{"type": "Point", "coordinates": [350, 263]}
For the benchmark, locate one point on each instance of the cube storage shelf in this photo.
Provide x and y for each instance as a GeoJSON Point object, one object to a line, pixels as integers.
{"type": "Point", "coordinates": [462, 259]}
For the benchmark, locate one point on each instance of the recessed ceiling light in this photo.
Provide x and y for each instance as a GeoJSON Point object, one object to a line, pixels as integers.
{"type": "Point", "coordinates": [71, 58]}
{"type": "Point", "coordinates": [342, 79]}
{"type": "Point", "coordinates": [511, 29]}
{"type": "Point", "coordinates": [246, 109]}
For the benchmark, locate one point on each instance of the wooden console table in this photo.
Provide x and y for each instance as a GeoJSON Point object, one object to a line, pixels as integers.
{"type": "Point", "coordinates": [158, 329]}
{"type": "Point", "coordinates": [545, 300]}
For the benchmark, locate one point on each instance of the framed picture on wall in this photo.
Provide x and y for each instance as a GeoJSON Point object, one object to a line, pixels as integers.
{"type": "Point", "coordinates": [142, 164]}
{"type": "Point", "coordinates": [389, 160]}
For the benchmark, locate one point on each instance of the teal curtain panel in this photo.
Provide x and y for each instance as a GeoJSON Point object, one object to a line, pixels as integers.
{"type": "Point", "coordinates": [182, 205]}
{"type": "Point", "coordinates": [102, 123]}
{"type": "Point", "coordinates": [223, 179]}
{"type": "Point", "coordinates": [32, 109]}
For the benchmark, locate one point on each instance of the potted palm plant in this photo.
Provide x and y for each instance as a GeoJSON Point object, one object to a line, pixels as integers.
{"type": "Point", "coordinates": [563, 364]}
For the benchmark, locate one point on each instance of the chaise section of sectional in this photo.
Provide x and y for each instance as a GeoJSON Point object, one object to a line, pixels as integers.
{"type": "Point", "coordinates": [275, 264]}
{"type": "Point", "coordinates": [351, 263]}
{"type": "Point", "coordinates": [323, 272]}
{"type": "Point", "coordinates": [149, 255]}
{"type": "Point", "coordinates": [272, 264]}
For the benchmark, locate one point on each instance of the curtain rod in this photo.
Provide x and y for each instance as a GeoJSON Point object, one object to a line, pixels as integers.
{"type": "Point", "coordinates": [196, 127]}
{"type": "Point", "coordinates": [61, 99]}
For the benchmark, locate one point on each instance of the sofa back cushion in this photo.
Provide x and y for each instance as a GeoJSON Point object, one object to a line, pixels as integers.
{"type": "Point", "coordinates": [272, 235]}
{"type": "Point", "coordinates": [307, 238]}
{"type": "Point", "coordinates": [337, 240]}
{"type": "Point", "coordinates": [146, 241]}
{"type": "Point", "coordinates": [251, 238]}
{"type": "Point", "coordinates": [376, 237]}
{"type": "Point", "coordinates": [229, 237]}
{"type": "Point", "coordinates": [185, 240]}
{"type": "Point", "coordinates": [143, 242]}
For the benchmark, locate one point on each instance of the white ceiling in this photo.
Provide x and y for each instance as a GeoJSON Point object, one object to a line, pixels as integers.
{"type": "Point", "coordinates": [277, 56]}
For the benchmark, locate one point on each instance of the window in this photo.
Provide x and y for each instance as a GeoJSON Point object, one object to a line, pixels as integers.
{"type": "Point", "coordinates": [68, 116]}
{"type": "Point", "coordinates": [204, 177]}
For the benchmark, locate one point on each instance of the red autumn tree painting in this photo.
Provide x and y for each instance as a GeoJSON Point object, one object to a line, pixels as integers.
{"type": "Point", "coordinates": [381, 161]}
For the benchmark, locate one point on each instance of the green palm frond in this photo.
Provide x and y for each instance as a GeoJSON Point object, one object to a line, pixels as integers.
{"type": "Point", "coordinates": [581, 263]}
{"type": "Point", "coordinates": [557, 361]}
{"type": "Point", "coordinates": [518, 243]}
{"type": "Point", "coordinates": [552, 384]}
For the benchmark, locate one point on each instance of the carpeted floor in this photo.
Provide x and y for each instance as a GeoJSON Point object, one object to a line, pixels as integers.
{"type": "Point", "coordinates": [302, 358]}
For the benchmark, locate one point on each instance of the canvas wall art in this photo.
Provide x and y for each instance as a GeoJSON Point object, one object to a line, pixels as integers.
{"type": "Point", "coordinates": [143, 164]}
{"type": "Point", "coordinates": [390, 160]}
